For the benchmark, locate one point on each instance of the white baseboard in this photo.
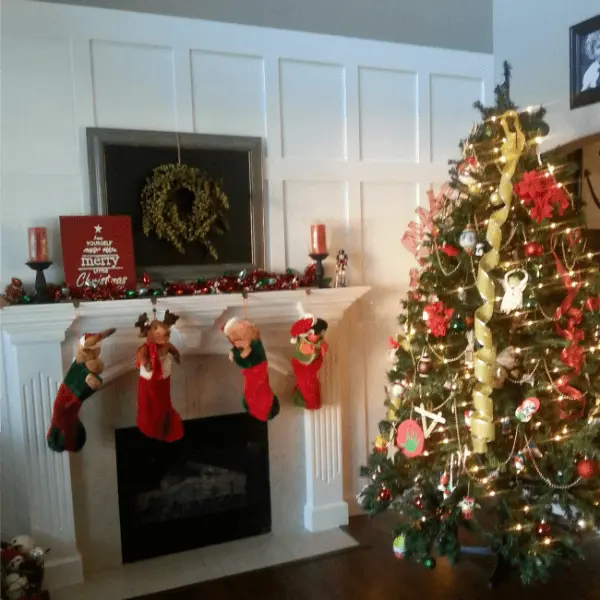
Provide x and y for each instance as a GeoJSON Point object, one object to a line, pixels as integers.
{"type": "Point", "coordinates": [328, 516]}
{"type": "Point", "coordinates": [63, 572]}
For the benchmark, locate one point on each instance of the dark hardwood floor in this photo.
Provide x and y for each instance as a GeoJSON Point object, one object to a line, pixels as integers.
{"type": "Point", "coordinates": [372, 573]}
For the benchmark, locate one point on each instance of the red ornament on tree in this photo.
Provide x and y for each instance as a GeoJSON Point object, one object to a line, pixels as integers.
{"type": "Point", "coordinates": [437, 317]}
{"type": "Point", "coordinates": [384, 495]}
{"type": "Point", "coordinates": [450, 250]}
{"type": "Point", "coordinates": [542, 528]}
{"type": "Point", "coordinates": [586, 469]}
{"type": "Point", "coordinates": [419, 503]}
{"type": "Point", "coordinates": [533, 249]}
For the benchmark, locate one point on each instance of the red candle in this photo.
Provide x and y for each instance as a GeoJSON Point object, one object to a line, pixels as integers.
{"type": "Point", "coordinates": [38, 244]}
{"type": "Point", "coordinates": [318, 239]}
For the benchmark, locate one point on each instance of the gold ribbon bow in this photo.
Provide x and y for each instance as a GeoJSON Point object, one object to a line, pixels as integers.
{"type": "Point", "coordinates": [482, 421]}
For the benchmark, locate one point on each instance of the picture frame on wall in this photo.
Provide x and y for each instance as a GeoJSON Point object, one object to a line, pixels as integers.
{"type": "Point", "coordinates": [122, 161]}
{"type": "Point", "coordinates": [585, 62]}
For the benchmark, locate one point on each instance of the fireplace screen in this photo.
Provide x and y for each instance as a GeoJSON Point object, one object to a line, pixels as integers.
{"type": "Point", "coordinates": [210, 487]}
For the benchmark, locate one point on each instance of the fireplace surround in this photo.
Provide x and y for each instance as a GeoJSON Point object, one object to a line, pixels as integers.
{"type": "Point", "coordinates": [71, 503]}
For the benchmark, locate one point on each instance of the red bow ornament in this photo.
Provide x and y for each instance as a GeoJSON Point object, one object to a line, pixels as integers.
{"type": "Point", "coordinates": [542, 195]}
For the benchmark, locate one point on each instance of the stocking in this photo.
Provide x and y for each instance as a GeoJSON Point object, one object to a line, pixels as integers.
{"type": "Point", "coordinates": [156, 418]}
{"type": "Point", "coordinates": [307, 362]}
{"type": "Point", "coordinates": [259, 399]}
{"type": "Point", "coordinates": [66, 430]}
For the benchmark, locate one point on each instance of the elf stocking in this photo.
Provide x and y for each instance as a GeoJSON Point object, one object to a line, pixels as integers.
{"type": "Point", "coordinates": [248, 353]}
{"type": "Point", "coordinates": [81, 381]}
{"type": "Point", "coordinates": [156, 418]}
{"type": "Point", "coordinates": [310, 348]}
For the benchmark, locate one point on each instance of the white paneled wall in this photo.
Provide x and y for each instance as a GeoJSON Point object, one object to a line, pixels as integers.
{"type": "Point", "coordinates": [355, 132]}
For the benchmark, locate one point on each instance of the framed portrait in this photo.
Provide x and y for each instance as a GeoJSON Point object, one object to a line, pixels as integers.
{"type": "Point", "coordinates": [120, 165]}
{"type": "Point", "coordinates": [585, 62]}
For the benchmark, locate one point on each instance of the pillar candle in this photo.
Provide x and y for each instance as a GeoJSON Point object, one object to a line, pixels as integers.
{"type": "Point", "coordinates": [38, 244]}
{"type": "Point", "coordinates": [318, 239]}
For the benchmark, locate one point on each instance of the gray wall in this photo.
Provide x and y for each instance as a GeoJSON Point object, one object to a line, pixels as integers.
{"type": "Point", "coordinates": [455, 24]}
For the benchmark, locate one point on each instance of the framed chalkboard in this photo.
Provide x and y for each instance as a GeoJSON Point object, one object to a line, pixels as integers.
{"type": "Point", "coordinates": [121, 161]}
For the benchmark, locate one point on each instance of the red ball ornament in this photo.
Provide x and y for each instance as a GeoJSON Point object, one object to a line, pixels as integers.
{"type": "Point", "coordinates": [469, 321]}
{"type": "Point", "coordinates": [533, 249]}
{"type": "Point", "coordinates": [384, 495]}
{"type": "Point", "coordinates": [586, 468]}
{"type": "Point", "coordinates": [444, 479]}
{"type": "Point", "coordinates": [419, 503]}
{"type": "Point", "coordinates": [542, 528]}
{"type": "Point", "coordinates": [146, 279]}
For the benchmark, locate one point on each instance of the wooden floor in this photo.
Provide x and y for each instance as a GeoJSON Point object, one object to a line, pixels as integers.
{"type": "Point", "coordinates": [371, 572]}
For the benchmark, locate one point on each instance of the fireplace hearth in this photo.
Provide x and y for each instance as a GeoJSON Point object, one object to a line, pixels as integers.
{"type": "Point", "coordinates": [210, 487]}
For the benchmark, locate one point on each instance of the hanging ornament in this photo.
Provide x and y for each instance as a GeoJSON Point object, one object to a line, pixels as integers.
{"type": "Point", "coordinates": [505, 422]}
{"type": "Point", "coordinates": [542, 528]}
{"type": "Point", "coordinates": [410, 438]}
{"type": "Point", "coordinates": [462, 294]}
{"type": "Point", "coordinates": [425, 365]}
{"type": "Point", "coordinates": [450, 250]}
{"type": "Point", "coordinates": [514, 283]}
{"type": "Point", "coordinates": [470, 349]}
{"type": "Point", "coordinates": [419, 502]}
{"type": "Point", "coordinates": [380, 444]}
{"type": "Point", "coordinates": [467, 505]}
{"type": "Point", "coordinates": [479, 249]}
{"type": "Point", "coordinates": [468, 417]}
{"type": "Point", "coordinates": [437, 317]}
{"type": "Point", "coordinates": [398, 388]}
{"type": "Point", "coordinates": [467, 170]}
{"type": "Point", "coordinates": [458, 325]}
{"type": "Point", "coordinates": [533, 249]}
{"type": "Point", "coordinates": [527, 409]}
{"type": "Point", "coordinates": [532, 448]}
{"type": "Point", "coordinates": [519, 461]}
{"type": "Point", "coordinates": [399, 546]}
{"type": "Point", "coordinates": [384, 495]}
{"type": "Point", "coordinates": [468, 239]}
{"type": "Point", "coordinates": [436, 419]}
{"type": "Point", "coordinates": [586, 469]}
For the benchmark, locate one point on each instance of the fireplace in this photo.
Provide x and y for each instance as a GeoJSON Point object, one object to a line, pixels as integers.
{"type": "Point", "coordinates": [210, 487]}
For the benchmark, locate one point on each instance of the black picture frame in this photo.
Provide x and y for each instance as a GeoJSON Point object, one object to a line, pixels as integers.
{"type": "Point", "coordinates": [248, 154]}
{"type": "Point", "coordinates": [580, 63]}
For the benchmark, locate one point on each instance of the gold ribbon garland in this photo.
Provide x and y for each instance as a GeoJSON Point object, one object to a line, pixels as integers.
{"type": "Point", "coordinates": [482, 421]}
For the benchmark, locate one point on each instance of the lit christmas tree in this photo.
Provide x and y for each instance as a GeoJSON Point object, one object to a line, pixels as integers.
{"type": "Point", "coordinates": [493, 399]}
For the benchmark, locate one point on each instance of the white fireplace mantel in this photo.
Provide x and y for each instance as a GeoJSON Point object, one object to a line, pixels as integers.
{"type": "Point", "coordinates": [38, 346]}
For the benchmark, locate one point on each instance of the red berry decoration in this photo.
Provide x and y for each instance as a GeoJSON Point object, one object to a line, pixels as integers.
{"type": "Point", "coordinates": [542, 528]}
{"type": "Point", "coordinates": [586, 468]}
{"type": "Point", "coordinates": [419, 503]}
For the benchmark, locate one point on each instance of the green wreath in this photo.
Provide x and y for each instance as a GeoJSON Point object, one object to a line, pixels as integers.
{"type": "Point", "coordinates": [161, 215]}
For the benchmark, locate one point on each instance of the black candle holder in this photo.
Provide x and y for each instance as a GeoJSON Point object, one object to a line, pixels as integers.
{"type": "Point", "coordinates": [41, 295]}
{"type": "Point", "coordinates": [321, 280]}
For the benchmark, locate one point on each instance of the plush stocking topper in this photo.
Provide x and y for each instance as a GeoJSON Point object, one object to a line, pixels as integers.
{"type": "Point", "coordinates": [81, 381]}
{"type": "Point", "coordinates": [310, 347]}
{"type": "Point", "coordinates": [248, 353]}
{"type": "Point", "coordinates": [156, 418]}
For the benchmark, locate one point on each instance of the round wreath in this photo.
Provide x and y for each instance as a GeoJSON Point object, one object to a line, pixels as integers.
{"type": "Point", "coordinates": [161, 215]}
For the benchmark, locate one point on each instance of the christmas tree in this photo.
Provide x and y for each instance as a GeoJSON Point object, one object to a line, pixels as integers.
{"type": "Point", "coordinates": [492, 403]}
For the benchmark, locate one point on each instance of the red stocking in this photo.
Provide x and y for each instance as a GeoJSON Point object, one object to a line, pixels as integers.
{"type": "Point", "coordinates": [308, 386]}
{"type": "Point", "coordinates": [258, 394]}
{"type": "Point", "coordinates": [156, 418]}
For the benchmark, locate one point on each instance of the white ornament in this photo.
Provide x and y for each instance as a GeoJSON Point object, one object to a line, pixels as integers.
{"type": "Point", "coordinates": [23, 543]}
{"type": "Point", "coordinates": [436, 419]}
{"type": "Point", "coordinates": [15, 563]}
{"type": "Point", "coordinates": [515, 282]}
{"type": "Point", "coordinates": [467, 505]}
{"type": "Point", "coordinates": [470, 347]}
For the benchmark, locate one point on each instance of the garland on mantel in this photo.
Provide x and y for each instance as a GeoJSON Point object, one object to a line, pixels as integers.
{"type": "Point", "coordinates": [230, 283]}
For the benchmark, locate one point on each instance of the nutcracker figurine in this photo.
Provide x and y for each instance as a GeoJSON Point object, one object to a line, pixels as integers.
{"type": "Point", "coordinates": [341, 264]}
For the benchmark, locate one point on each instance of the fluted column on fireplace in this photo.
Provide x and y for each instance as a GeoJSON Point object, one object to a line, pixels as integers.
{"type": "Point", "coordinates": [34, 367]}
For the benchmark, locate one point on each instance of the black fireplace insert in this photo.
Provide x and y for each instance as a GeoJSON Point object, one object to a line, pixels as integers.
{"type": "Point", "coordinates": [210, 487]}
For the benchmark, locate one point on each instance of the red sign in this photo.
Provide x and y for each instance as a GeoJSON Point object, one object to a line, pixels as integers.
{"type": "Point", "coordinates": [98, 250]}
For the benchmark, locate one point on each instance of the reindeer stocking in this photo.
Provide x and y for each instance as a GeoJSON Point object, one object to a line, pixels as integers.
{"type": "Point", "coordinates": [156, 416]}
{"type": "Point", "coordinates": [81, 381]}
{"type": "Point", "coordinates": [248, 353]}
{"type": "Point", "coordinates": [308, 336]}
